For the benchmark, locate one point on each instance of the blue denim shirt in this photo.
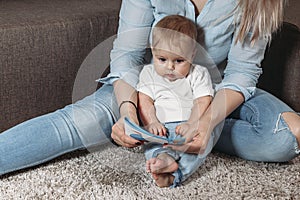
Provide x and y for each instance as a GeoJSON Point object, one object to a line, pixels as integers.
{"type": "Point", "coordinates": [219, 25]}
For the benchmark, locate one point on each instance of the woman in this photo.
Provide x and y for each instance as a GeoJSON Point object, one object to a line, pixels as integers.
{"type": "Point", "coordinates": [236, 29]}
{"type": "Point", "coordinates": [259, 127]}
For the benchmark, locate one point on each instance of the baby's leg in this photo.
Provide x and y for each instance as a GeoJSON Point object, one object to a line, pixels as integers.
{"type": "Point", "coordinates": [161, 160]}
{"type": "Point", "coordinates": [190, 163]}
{"type": "Point", "coordinates": [161, 163]}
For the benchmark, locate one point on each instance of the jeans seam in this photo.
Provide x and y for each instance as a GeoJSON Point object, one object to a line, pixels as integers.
{"type": "Point", "coordinates": [256, 114]}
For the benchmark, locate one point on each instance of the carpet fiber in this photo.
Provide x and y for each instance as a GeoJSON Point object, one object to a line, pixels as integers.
{"type": "Point", "coordinates": [118, 173]}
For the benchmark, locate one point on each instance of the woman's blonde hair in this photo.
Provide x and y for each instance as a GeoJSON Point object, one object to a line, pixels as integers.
{"type": "Point", "coordinates": [261, 17]}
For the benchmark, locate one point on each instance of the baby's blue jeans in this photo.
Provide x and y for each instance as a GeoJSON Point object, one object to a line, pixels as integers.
{"type": "Point", "coordinates": [187, 163]}
{"type": "Point", "coordinates": [256, 131]}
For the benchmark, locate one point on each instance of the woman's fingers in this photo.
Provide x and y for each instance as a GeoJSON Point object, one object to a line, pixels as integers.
{"type": "Point", "coordinates": [192, 147]}
{"type": "Point", "coordinates": [196, 146]}
{"type": "Point", "coordinates": [182, 148]}
{"type": "Point", "coordinates": [119, 136]}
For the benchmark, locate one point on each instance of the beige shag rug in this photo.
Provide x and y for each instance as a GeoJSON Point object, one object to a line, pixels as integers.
{"type": "Point", "coordinates": [118, 173]}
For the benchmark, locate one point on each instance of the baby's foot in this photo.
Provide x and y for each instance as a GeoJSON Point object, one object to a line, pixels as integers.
{"type": "Point", "coordinates": [163, 180]}
{"type": "Point", "coordinates": [163, 163]}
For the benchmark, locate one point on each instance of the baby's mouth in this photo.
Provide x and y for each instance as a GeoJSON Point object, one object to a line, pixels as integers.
{"type": "Point", "coordinates": [170, 76]}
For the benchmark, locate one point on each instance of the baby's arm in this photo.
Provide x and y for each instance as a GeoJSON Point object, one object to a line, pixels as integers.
{"type": "Point", "coordinates": [199, 107]}
{"type": "Point", "coordinates": [148, 115]}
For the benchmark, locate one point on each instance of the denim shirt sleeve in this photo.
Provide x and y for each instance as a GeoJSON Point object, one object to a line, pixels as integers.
{"type": "Point", "coordinates": [127, 55]}
{"type": "Point", "coordinates": [244, 65]}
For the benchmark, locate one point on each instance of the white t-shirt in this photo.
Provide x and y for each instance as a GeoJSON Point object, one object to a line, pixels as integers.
{"type": "Point", "coordinates": [173, 100]}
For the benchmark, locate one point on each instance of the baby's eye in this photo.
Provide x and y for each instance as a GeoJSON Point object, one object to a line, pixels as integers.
{"type": "Point", "coordinates": [180, 60]}
{"type": "Point", "coordinates": [162, 59]}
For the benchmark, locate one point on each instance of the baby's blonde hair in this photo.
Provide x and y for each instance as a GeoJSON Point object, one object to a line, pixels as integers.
{"type": "Point", "coordinates": [176, 23]}
{"type": "Point", "coordinates": [261, 17]}
{"type": "Point", "coordinates": [175, 33]}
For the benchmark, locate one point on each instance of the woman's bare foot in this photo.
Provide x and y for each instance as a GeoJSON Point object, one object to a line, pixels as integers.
{"type": "Point", "coordinates": [163, 163]}
{"type": "Point", "coordinates": [163, 180]}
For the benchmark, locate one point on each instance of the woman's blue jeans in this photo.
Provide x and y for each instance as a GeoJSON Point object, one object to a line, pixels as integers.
{"type": "Point", "coordinates": [84, 124]}
{"type": "Point", "coordinates": [256, 131]}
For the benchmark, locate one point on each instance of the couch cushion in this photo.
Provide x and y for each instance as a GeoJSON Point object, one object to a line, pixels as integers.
{"type": "Point", "coordinates": [42, 45]}
{"type": "Point", "coordinates": [281, 71]}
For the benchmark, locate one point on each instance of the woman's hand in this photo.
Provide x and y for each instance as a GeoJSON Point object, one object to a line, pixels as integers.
{"type": "Point", "coordinates": [119, 136]}
{"type": "Point", "coordinates": [196, 136]}
{"type": "Point", "coordinates": [182, 129]}
{"type": "Point", "coordinates": [127, 99]}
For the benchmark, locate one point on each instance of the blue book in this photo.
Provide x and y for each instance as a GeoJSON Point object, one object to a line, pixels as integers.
{"type": "Point", "coordinates": [138, 133]}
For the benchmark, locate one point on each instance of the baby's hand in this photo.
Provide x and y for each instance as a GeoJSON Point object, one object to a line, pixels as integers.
{"type": "Point", "coordinates": [182, 129]}
{"type": "Point", "coordinates": [157, 129]}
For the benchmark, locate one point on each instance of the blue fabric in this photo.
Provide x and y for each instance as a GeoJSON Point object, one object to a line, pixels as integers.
{"type": "Point", "coordinates": [256, 131]}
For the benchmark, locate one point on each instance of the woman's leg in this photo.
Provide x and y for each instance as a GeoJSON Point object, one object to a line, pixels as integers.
{"type": "Point", "coordinates": [46, 137]}
{"type": "Point", "coordinates": [257, 131]}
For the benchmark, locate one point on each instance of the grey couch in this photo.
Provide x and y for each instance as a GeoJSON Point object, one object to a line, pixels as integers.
{"type": "Point", "coordinates": [43, 44]}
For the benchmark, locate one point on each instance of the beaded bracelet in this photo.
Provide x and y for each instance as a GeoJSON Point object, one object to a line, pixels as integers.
{"type": "Point", "coordinates": [127, 102]}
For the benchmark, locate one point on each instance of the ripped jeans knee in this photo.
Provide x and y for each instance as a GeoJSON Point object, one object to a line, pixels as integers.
{"type": "Point", "coordinates": [282, 126]}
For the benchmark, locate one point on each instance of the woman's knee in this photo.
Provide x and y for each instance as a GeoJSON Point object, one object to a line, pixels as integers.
{"type": "Point", "coordinates": [293, 121]}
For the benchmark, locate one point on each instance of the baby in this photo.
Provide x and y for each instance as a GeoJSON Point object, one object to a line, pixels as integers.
{"type": "Point", "coordinates": [173, 92]}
